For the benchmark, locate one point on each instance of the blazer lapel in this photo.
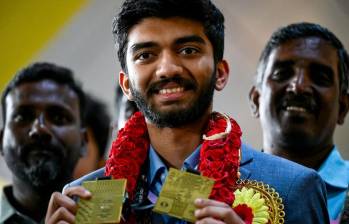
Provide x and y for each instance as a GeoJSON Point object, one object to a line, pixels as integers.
{"type": "Point", "coordinates": [246, 159]}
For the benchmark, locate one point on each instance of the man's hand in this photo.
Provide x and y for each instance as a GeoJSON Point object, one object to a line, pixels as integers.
{"type": "Point", "coordinates": [215, 212]}
{"type": "Point", "coordinates": [62, 208]}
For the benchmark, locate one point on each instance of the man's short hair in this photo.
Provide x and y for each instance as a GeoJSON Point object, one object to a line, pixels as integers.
{"type": "Point", "coordinates": [97, 119]}
{"type": "Point", "coordinates": [45, 71]}
{"type": "Point", "coordinates": [303, 30]}
{"type": "Point", "coordinates": [203, 11]}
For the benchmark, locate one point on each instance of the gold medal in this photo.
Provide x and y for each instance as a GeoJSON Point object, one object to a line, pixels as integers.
{"type": "Point", "coordinates": [105, 206]}
{"type": "Point", "coordinates": [179, 193]}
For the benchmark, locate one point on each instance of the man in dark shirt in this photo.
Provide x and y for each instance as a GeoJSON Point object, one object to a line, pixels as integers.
{"type": "Point", "coordinates": [42, 138]}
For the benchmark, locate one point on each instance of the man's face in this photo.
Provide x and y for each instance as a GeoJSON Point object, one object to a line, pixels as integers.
{"type": "Point", "coordinates": [171, 71]}
{"type": "Point", "coordinates": [42, 137]}
{"type": "Point", "coordinates": [299, 100]}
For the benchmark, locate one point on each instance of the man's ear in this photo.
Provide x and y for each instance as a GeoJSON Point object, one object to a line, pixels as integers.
{"type": "Point", "coordinates": [254, 101]}
{"type": "Point", "coordinates": [343, 107]}
{"type": "Point", "coordinates": [1, 139]}
{"type": "Point", "coordinates": [222, 74]}
{"type": "Point", "coordinates": [124, 83]}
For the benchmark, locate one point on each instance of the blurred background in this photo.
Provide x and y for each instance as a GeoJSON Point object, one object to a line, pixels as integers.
{"type": "Point", "coordinates": [77, 34]}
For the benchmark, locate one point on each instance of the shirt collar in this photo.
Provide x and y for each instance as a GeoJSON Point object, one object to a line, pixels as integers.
{"type": "Point", "coordinates": [6, 208]}
{"type": "Point", "coordinates": [192, 161]}
{"type": "Point", "coordinates": [334, 170]}
{"type": "Point", "coordinates": [156, 165]}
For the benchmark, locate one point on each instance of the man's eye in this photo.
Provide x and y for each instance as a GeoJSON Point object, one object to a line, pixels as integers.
{"type": "Point", "coordinates": [60, 119]}
{"type": "Point", "coordinates": [322, 79]}
{"type": "Point", "coordinates": [322, 75]}
{"type": "Point", "coordinates": [23, 117]}
{"type": "Point", "coordinates": [18, 118]}
{"type": "Point", "coordinates": [144, 56]}
{"type": "Point", "coordinates": [189, 51]}
{"type": "Point", "coordinates": [281, 74]}
{"type": "Point", "coordinates": [59, 116]}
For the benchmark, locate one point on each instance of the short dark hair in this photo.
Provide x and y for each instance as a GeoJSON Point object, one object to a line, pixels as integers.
{"type": "Point", "coordinates": [203, 11]}
{"type": "Point", "coordinates": [97, 119]}
{"type": "Point", "coordinates": [45, 71]}
{"type": "Point", "coordinates": [303, 30]}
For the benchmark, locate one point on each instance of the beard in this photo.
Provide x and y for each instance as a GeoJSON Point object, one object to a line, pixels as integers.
{"type": "Point", "coordinates": [43, 173]}
{"type": "Point", "coordinates": [176, 118]}
{"type": "Point", "coordinates": [44, 167]}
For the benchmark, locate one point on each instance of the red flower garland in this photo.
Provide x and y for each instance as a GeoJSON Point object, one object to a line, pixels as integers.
{"type": "Point", "coordinates": [128, 152]}
{"type": "Point", "coordinates": [219, 158]}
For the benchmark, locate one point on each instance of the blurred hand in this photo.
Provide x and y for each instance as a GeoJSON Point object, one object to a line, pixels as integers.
{"type": "Point", "coordinates": [215, 212]}
{"type": "Point", "coordinates": [62, 208]}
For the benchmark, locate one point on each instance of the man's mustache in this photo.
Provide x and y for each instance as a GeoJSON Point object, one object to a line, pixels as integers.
{"type": "Point", "coordinates": [300, 100]}
{"type": "Point", "coordinates": [185, 83]}
{"type": "Point", "coordinates": [49, 149]}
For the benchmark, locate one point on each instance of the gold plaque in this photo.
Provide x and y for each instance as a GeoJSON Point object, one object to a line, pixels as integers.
{"type": "Point", "coordinates": [105, 206]}
{"type": "Point", "coordinates": [179, 193]}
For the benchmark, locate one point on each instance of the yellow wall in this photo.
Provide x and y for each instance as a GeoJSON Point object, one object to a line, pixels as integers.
{"type": "Point", "coordinates": [26, 26]}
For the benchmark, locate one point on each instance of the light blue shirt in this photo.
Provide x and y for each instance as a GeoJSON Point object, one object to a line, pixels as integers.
{"type": "Point", "coordinates": [156, 175]}
{"type": "Point", "coordinates": [335, 172]}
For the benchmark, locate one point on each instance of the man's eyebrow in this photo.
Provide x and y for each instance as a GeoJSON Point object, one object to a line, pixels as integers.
{"type": "Point", "coordinates": [137, 46]}
{"type": "Point", "coordinates": [22, 107]}
{"type": "Point", "coordinates": [283, 63]}
{"type": "Point", "coordinates": [317, 66]}
{"type": "Point", "coordinates": [321, 67]}
{"type": "Point", "coordinates": [187, 39]}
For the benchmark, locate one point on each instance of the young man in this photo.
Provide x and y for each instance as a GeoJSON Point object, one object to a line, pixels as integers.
{"type": "Point", "coordinates": [171, 53]}
{"type": "Point", "coordinates": [42, 138]}
{"type": "Point", "coordinates": [301, 95]}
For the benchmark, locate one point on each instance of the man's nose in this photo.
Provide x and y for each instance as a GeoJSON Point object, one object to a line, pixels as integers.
{"type": "Point", "coordinates": [300, 82]}
{"type": "Point", "coordinates": [169, 65]}
{"type": "Point", "coordinates": [40, 130]}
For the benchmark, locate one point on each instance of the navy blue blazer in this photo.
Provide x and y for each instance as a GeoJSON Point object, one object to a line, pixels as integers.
{"type": "Point", "coordinates": [301, 189]}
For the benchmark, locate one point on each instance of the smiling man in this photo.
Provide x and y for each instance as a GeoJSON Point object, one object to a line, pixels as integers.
{"type": "Point", "coordinates": [301, 94]}
{"type": "Point", "coordinates": [171, 54]}
{"type": "Point", "coordinates": [41, 140]}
